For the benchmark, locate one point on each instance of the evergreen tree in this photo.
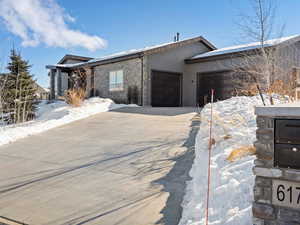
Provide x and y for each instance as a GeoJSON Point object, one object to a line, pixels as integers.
{"type": "Point", "coordinates": [19, 98]}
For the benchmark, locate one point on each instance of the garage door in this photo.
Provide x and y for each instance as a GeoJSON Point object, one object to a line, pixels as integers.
{"type": "Point", "coordinates": [166, 89]}
{"type": "Point", "coordinates": [221, 82]}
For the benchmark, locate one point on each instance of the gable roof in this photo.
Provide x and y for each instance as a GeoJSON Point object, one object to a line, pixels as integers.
{"type": "Point", "coordinates": [135, 53]}
{"type": "Point", "coordinates": [228, 51]}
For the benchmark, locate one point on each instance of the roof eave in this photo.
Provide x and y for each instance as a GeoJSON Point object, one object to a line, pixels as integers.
{"type": "Point", "coordinates": [224, 56]}
{"type": "Point", "coordinates": [108, 61]}
{"type": "Point", "coordinates": [96, 63]}
{"type": "Point", "coordinates": [75, 57]}
{"type": "Point", "coordinates": [51, 67]}
{"type": "Point", "coordinates": [240, 53]}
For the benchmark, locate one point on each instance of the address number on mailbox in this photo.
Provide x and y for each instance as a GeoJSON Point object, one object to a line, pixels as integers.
{"type": "Point", "coordinates": [286, 193]}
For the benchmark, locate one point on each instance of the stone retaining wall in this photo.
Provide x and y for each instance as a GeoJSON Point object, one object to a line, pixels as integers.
{"type": "Point", "coordinates": [264, 212]}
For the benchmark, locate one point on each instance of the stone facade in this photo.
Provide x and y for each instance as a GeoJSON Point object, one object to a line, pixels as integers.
{"type": "Point", "coordinates": [132, 76]}
{"type": "Point", "coordinates": [264, 211]}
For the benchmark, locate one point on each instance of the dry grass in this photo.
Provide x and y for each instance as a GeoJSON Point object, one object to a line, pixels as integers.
{"type": "Point", "coordinates": [248, 90]}
{"type": "Point", "coordinates": [227, 136]}
{"type": "Point", "coordinates": [241, 152]}
{"type": "Point", "coordinates": [282, 88]}
{"type": "Point", "coordinates": [75, 97]}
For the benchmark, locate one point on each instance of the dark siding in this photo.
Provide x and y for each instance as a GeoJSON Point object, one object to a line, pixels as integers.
{"type": "Point", "coordinates": [225, 84]}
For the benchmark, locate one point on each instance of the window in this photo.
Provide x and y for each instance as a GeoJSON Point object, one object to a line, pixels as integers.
{"type": "Point", "coordinates": [116, 80]}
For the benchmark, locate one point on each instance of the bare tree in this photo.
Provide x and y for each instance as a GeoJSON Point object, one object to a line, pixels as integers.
{"type": "Point", "coordinates": [267, 60]}
{"type": "Point", "coordinates": [258, 24]}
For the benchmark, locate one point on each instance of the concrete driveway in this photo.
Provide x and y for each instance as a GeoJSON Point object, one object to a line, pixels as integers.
{"type": "Point", "coordinates": [127, 167]}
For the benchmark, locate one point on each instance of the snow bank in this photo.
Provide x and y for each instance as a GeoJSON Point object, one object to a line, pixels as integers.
{"type": "Point", "coordinates": [54, 115]}
{"type": "Point", "coordinates": [231, 182]}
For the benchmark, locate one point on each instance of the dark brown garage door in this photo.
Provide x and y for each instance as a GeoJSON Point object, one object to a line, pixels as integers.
{"type": "Point", "coordinates": [166, 89]}
{"type": "Point", "coordinates": [221, 82]}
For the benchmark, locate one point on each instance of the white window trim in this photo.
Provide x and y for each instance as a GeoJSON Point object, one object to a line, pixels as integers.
{"type": "Point", "coordinates": [115, 73]}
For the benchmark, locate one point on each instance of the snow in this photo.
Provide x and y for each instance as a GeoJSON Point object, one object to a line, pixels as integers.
{"type": "Point", "coordinates": [54, 115]}
{"type": "Point", "coordinates": [46, 89]}
{"type": "Point", "coordinates": [245, 47]}
{"type": "Point", "coordinates": [287, 110]}
{"type": "Point", "coordinates": [231, 182]}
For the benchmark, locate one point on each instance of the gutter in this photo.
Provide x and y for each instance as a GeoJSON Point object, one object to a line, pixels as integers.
{"type": "Point", "coordinates": [224, 56]}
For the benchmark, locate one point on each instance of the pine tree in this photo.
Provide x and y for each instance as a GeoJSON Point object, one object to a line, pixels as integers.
{"type": "Point", "coordinates": [20, 98]}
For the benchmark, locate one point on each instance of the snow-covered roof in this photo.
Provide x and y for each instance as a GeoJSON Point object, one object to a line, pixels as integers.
{"type": "Point", "coordinates": [115, 55]}
{"type": "Point", "coordinates": [74, 57]}
{"type": "Point", "coordinates": [245, 47]}
{"type": "Point", "coordinates": [131, 52]}
{"type": "Point", "coordinates": [46, 89]}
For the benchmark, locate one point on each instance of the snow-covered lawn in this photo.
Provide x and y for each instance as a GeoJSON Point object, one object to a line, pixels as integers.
{"type": "Point", "coordinates": [54, 115]}
{"type": "Point", "coordinates": [231, 182]}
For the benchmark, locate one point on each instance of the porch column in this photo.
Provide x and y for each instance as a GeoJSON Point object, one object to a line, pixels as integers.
{"type": "Point", "coordinates": [92, 84]}
{"type": "Point", "coordinates": [52, 83]}
{"type": "Point", "coordinates": [59, 86]}
{"type": "Point", "coordinates": [70, 82]}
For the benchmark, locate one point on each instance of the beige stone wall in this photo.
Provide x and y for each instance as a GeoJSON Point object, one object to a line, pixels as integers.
{"type": "Point", "coordinates": [264, 210]}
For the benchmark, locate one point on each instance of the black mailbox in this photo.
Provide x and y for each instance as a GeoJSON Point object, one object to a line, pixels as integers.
{"type": "Point", "coordinates": [287, 143]}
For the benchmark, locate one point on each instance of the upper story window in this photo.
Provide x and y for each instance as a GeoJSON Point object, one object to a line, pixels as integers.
{"type": "Point", "coordinates": [116, 80]}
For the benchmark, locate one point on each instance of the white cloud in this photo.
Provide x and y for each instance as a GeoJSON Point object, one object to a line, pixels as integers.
{"type": "Point", "coordinates": [44, 21]}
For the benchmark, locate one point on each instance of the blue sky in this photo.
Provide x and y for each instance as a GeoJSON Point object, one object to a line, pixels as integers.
{"type": "Point", "coordinates": [128, 24]}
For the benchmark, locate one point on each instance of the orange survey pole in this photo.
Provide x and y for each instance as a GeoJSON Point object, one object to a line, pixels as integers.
{"type": "Point", "coordinates": [209, 155]}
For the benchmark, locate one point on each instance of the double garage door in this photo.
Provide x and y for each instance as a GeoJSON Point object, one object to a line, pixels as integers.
{"type": "Point", "coordinates": [165, 89]}
{"type": "Point", "coordinates": [222, 83]}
